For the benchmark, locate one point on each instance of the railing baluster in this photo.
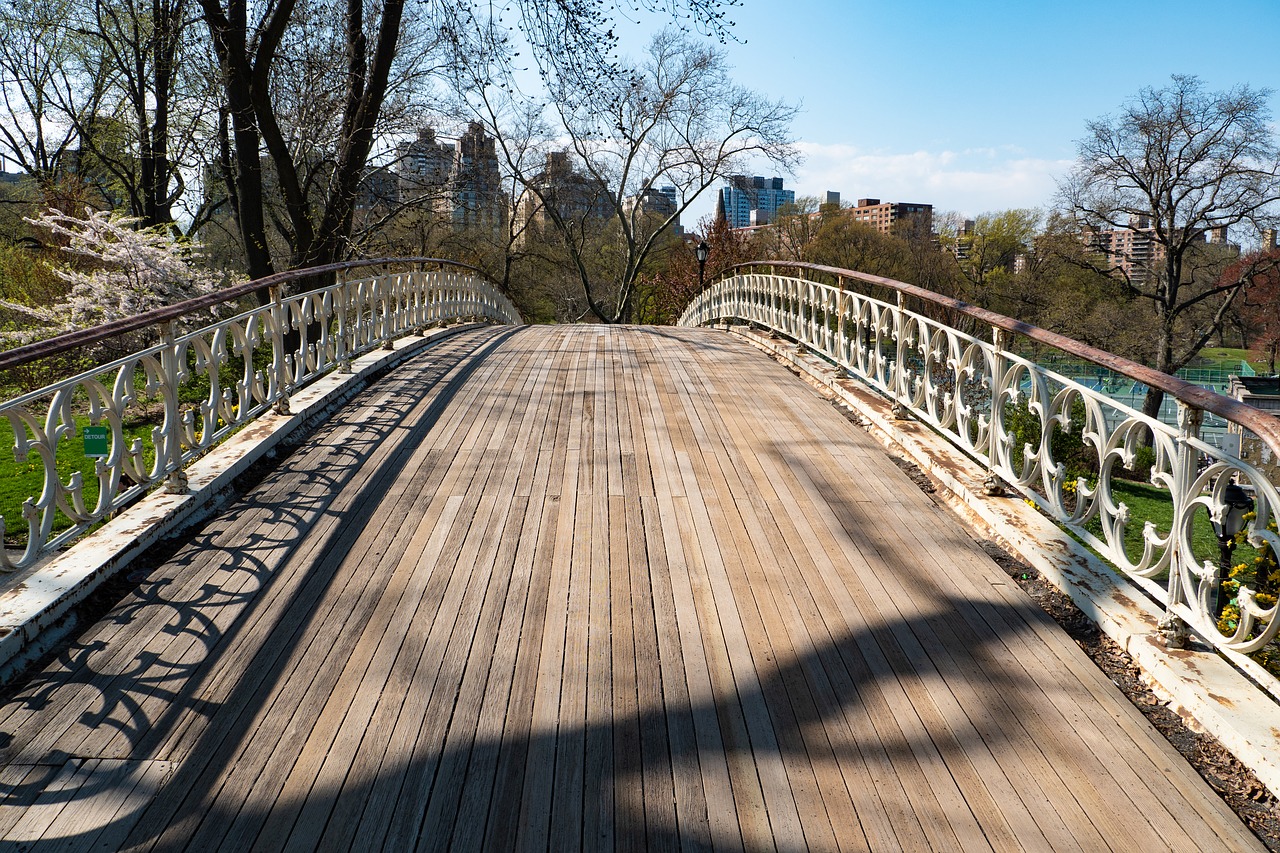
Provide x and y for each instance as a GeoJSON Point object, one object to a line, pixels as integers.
{"type": "Point", "coordinates": [971, 391]}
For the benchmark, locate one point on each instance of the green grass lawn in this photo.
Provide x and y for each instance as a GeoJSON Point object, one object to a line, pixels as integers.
{"type": "Point", "coordinates": [23, 479]}
{"type": "Point", "coordinates": [1149, 503]}
{"type": "Point", "coordinates": [1228, 357]}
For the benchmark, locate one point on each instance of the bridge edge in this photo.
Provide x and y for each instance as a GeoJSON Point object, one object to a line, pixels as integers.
{"type": "Point", "coordinates": [1205, 690]}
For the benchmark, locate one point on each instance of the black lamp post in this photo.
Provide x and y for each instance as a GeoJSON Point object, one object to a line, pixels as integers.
{"type": "Point", "coordinates": [702, 252]}
{"type": "Point", "coordinates": [1238, 505]}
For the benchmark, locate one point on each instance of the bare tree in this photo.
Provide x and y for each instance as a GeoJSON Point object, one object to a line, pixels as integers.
{"type": "Point", "coordinates": [643, 144]}
{"type": "Point", "coordinates": [108, 91]}
{"type": "Point", "coordinates": [159, 99]}
{"type": "Point", "coordinates": [44, 76]}
{"type": "Point", "coordinates": [796, 224]}
{"type": "Point", "coordinates": [248, 43]}
{"type": "Point", "coordinates": [1188, 163]}
{"type": "Point", "coordinates": [368, 58]}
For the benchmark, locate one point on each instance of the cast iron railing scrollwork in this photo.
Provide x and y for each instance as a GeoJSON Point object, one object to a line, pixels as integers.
{"type": "Point", "coordinates": [239, 368]}
{"type": "Point", "coordinates": [971, 375]}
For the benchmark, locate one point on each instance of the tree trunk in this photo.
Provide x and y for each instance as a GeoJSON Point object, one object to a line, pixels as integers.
{"type": "Point", "coordinates": [1164, 361]}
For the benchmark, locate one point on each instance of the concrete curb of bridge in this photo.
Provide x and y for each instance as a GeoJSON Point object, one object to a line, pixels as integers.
{"type": "Point", "coordinates": [1205, 690]}
{"type": "Point", "coordinates": [35, 611]}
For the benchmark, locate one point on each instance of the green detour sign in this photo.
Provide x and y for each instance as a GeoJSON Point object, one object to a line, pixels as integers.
{"type": "Point", "coordinates": [95, 441]}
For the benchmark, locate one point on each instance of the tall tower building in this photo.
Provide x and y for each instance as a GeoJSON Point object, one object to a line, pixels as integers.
{"type": "Point", "coordinates": [477, 183]}
{"type": "Point", "coordinates": [425, 167]}
{"type": "Point", "coordinates": [746, 201]}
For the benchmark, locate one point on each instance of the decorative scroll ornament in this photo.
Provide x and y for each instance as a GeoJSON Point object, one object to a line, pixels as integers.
{"type": "Point", "coordinates": [167, 405]}
{"type": "Point", "coordinates": [1004, 410]}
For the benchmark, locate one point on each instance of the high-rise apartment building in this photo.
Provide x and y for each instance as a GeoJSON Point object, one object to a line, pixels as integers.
{"type": "Point", "coordinates": [1132, 251]}
{"type": "Point", "coordinates": [884, 215]}
{"type": "Point", "coordinates": [425, 168]}
{"type": "Point", "coordinates": [460, 181]}
{"type": "Point", "coordinates": [476, 181]}
{"type": "Point", "coordinates": [573, 194]}
{"type": "Point", "coordinates": [656, 201]}
{"type": "Point", "coordinates": [746, 201]}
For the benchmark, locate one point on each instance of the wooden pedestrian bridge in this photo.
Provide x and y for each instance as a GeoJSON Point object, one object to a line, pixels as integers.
{"type": "Point", "coordinates": [510, 587]}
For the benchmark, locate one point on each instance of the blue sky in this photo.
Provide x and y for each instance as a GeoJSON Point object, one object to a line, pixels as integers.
{"type": "Point", "coordinates": [976, 106]}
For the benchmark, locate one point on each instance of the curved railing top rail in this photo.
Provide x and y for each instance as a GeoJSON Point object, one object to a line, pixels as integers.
{"type": "Point", "coordinates": [145, 417]}
{"type": "Point", "coordinates": [1262, 424]}
{"type": "Point", "coordinates": [28, 353]}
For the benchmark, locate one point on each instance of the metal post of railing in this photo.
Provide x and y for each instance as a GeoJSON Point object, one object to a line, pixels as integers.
{"type": "Point", "coordinates": [342, 307]}
{"type": "Point", "coordinates": [280, 359]}
{"type": "Point", "coordinates": [168, 439]}
{"type": "Point", "coordinates": [388, 311]}
{"type": "Point", "coordinates": [900, 410]}
{"type": "Point", "coordinates": [420, 305]}
{"type": "Point", "coordinates": [842, 330]}
{"type": "Point", "coordinates": [993, 485]}
{"type": "Point", "coordinates": [1173, 628]}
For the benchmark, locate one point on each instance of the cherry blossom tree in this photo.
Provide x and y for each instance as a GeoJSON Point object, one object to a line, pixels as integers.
{"type": "Point", "coordinates": [114, 270]}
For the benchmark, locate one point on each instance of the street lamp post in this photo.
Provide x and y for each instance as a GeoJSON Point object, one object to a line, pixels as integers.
{"type": "Point", "coordinates": [702, 252]}
{"type": "Point", "coordinates": [1238, 505]}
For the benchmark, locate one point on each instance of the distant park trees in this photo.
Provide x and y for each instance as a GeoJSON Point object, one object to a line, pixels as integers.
{"type": "Point", "coordinates": [113, 93]}
{"type": "Point", "coordinates": [254, 103]}
{"type": "Point", "coordinates": [1191, 163]}
{"type": "Point", "coordinates": [640, 144]}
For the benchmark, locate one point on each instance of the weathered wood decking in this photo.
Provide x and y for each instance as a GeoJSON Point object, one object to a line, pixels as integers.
{"type": "Point", "coordinates": [588, 588]}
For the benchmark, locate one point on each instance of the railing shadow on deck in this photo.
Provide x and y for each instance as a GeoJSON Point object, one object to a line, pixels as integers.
{"type": "Point", "coordinates": [180, 803]}
{"type": "Point", "coordinates": [120, 706]}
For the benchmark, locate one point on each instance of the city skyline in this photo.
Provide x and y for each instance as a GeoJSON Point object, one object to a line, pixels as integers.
{"type": "Point", "coordinates": [972, 108]}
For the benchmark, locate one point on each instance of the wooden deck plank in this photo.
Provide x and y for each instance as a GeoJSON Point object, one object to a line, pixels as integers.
{"type": "Point", "coordinates": [288, 614]}
{"type": "Point", "coordinates": [356, 752]}
{"type": "Point", "coordinates": [605, 538]}
{"type": "Point", "coordinates": [338, 657]}
{"type": "Point", "coordinates": [768, 647]}
{"type": "Point", "coordinates": [934, 731]}
{"type": "Point", "coordinates": [588, 588]}
{"type": "Point", "coordinates": [793, 604]}
{"type": "Point", "coordinates": [681, 365]}
{"type": "Point", "coordinates": [365, 775]}
{"type": "Point", "coordinates": [1057, 735]}
{"type": "Point", "coordinates": [37, 815]}
{"type": "Point", "coordinates": [533, 831]}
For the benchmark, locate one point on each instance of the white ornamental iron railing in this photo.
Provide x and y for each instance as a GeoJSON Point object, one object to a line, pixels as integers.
{"type": "Point", "coordinates": [989, 397]}
{"type": "Point", "coordinates": [166, 404]}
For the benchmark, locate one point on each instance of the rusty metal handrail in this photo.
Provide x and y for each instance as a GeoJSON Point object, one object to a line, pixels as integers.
{"type": "Point", "coordinates": [28, 353]}
{"type": "Point", "coordinates": [1263, 425]}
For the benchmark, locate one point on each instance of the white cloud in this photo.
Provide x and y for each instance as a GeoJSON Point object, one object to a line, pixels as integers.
{"type": "Point", "coordinates": [971, 181]}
